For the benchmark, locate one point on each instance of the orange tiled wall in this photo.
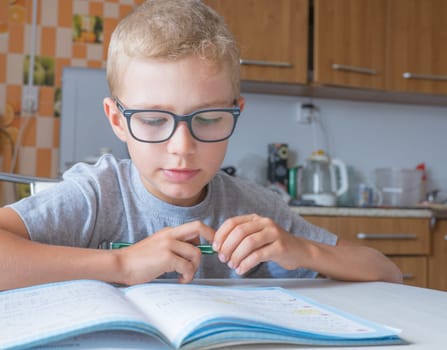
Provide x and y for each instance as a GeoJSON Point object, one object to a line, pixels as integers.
{"type": "Point", "coordinates": [38, 150]}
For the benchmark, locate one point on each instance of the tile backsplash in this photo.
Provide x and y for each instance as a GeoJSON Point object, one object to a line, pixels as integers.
{"type": "Point", "coordinates": [69, 33]}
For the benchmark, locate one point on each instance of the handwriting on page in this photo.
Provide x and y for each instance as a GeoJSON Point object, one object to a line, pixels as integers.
{"type": "Point", "coordinates": [40, 310]}
{"type": "Point", "coordinates": [178, 307]}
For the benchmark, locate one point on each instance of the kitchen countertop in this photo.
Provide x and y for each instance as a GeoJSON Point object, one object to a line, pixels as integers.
{"type": "Point", "coordinates": [374, 212]}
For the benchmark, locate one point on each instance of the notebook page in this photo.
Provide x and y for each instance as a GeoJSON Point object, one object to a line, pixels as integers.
{"type": "Point", "coordinates": [45, 311]}
{"type": "Point", "coordinates": [177, 309]}
{"type": "Point", "coordinates": [110, 340]}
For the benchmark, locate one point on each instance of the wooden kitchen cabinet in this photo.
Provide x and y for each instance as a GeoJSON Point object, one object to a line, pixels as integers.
{"type": "Point", "coordinates": [273, 37]}
{"type": "Point", "coordinates": [329, 223]}
{"type": "Point", "coordinates": [406, 241]}
{"type": "Point", "coordinates": [349, 43]}
{"type": "Point", "coordinates": [438, 259]}
{"type": "Point", "coordinates": [414, 269]}
{"type": "Point", "coordinates": [391, 236]}
{"type": "Point", "coordinates": [417, 46]}
{"type": "Point", "coordinates": [395, 45]}
{"type": "Point", "coordinates": [381, 45]}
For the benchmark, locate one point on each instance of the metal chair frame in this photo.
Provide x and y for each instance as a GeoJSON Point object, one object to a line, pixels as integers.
{"type": "Point", "coordinates": [36, 183]}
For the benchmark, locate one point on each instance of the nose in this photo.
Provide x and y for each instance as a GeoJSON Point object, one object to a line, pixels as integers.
{"type": "Point", "coordinates": [181, 142]}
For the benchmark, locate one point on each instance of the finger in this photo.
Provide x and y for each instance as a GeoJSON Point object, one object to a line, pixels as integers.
{"type": "Point", "coordinates": [227, 227]}
{"type": "Point", "coordinates": [192, 230]}
{"type": "Point", "coordinates": [247, 246]}
{"type": "Point", "coordinates": [239, 234]}
{"type": "Point", "coordinates": [195, 241]}
{"type": "Point", "coordinates": [277, 246]}
{"type": "Point", "coordinates": [186, 260]}
{"type": "Point", "coordinates": [185, 268]}
{"type": "Point", "coordinates": [186, 251]}
{"type": "Point", "coordinates": [254, 258]}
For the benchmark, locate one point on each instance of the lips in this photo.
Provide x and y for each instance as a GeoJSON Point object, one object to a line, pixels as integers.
{"type": "Point", "coordinates": [180, 175]}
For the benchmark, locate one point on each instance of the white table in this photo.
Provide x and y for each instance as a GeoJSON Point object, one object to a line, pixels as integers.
{"type": "Point", "coordinates": [420, 313]}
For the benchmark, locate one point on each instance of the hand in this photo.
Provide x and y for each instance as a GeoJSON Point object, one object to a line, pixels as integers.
{"type": "Point", "coordinates": [168, 250]}
{"type": "Point", "coordinates": [245, 241]}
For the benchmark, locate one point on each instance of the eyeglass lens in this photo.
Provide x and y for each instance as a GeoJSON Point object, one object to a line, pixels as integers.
{"type": "Point", "coordinates": [156, 126]}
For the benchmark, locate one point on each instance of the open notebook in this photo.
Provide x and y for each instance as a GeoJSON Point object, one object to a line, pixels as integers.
{"type": "Point", "coordinates": [182, 316]}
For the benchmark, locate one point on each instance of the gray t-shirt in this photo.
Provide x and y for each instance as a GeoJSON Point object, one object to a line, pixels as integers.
{"type": "Point", "coordinates": [107, 201]}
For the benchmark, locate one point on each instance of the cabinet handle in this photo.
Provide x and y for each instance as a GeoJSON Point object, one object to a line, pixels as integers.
{"type": "Point", "coordinates": [445, 238]}
{"type": "Point", "coordinates": [354, 69]}
{"type": "Point", "coordinates": [409, 75]}
{"type": "Point", "coordinates": [266, 63]}
{"type": "Point", "coordinates": [407, 276]}
{"type": "Point", "coordinates": [366, 236]}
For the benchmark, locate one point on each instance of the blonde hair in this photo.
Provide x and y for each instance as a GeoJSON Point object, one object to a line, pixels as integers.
{"type": "Point", "coordinates": [171, 30]}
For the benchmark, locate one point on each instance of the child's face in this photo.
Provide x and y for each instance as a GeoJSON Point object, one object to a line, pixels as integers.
{"type": "Point", "coordinates": [176, 170]}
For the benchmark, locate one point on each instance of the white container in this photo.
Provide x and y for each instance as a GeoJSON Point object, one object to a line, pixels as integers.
{"type": "Point", "coordinates": [399, 187]}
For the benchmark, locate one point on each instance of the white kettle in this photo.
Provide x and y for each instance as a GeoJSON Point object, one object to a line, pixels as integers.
{"type": "Point", "coordinates": [322, 179]}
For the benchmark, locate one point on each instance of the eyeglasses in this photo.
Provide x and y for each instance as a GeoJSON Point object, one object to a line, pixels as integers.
{"type": "Point", "coordinates": [155, 125]}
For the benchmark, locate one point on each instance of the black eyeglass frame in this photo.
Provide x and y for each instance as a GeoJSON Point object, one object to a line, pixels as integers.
{"type": "Point", "coordinates": [187, 118]}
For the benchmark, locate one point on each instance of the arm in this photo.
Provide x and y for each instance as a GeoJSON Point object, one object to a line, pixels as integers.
{"type": "Point", "coordinates": [245, 241]}
{"type": "Point", "coordinates": [352, 262]}
{"type": "Point", "coordinates": [24, 262]}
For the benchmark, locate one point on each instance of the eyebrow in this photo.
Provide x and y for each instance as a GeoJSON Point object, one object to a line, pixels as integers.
{"type": "Point", "coordinates": [171, 108]}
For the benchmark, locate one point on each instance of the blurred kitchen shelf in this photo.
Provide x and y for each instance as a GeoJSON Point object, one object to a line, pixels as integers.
{"type": "Point", "coordinates": [372, 212]}
{"type": "Point", "coordinates": [342, 93]}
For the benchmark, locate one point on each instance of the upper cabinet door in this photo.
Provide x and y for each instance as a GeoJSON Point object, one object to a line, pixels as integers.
{"type": "Point", "coordinates": [273, 37]}
{"type": "Point", "coordinates": [349, 43]}
{"type": "Point", "coordinates": [417, 46]}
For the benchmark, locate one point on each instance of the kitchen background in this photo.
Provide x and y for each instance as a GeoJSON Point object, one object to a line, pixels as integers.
{"type": "Point", "coordinates": [69, 33]}
{"type": "Point", "coordinates": [365, 135]}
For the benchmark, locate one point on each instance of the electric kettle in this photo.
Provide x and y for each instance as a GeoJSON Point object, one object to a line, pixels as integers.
{"type": "Point", "coordinates": [322, 179]}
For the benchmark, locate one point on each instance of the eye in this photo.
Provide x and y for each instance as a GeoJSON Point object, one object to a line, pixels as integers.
{"type": "Point", "coordinates": [208, 118]}
{"type": "Point", "coordinates": [152, 119]}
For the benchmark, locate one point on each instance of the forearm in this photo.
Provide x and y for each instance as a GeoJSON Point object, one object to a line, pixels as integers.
{"type": "Point", "coordinates": [351, 262]}
{"type": "Point", "coordinates": [24, 263]}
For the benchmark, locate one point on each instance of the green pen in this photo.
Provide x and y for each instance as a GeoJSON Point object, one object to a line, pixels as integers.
{"type": "Point", "coordinates": [206, 249]}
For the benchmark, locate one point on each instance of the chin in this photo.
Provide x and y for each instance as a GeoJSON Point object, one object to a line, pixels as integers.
{"type": "Point", "coordinates": [184, 198]}
{"type": "Point", "coordinates": [183, 202]}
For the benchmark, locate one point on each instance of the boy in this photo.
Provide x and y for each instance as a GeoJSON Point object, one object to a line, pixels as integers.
{"type": "Point", "coordinates": [173, 73]}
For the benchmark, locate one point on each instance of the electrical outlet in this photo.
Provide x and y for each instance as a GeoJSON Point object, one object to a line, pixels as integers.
{"type": "Point", "coordinates": [305, 113]}
{"type": "Point", "coordinates": [30, 100]}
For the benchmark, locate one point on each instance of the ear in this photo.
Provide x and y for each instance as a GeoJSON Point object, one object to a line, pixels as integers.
{"type": "Point", "coordinates": [116, 120]}
{"type": "Point", "coordinates": [241, 103]}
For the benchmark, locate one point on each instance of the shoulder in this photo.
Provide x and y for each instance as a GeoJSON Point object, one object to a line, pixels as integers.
{"type": "Point", "coordinates": [245, 194]}
{"type": "Point", "coordinates": [106, 168]}
{"type": "Point", "coordinates": [108, 175]}
{"type": "Point", "coordinates": [233, 183]}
